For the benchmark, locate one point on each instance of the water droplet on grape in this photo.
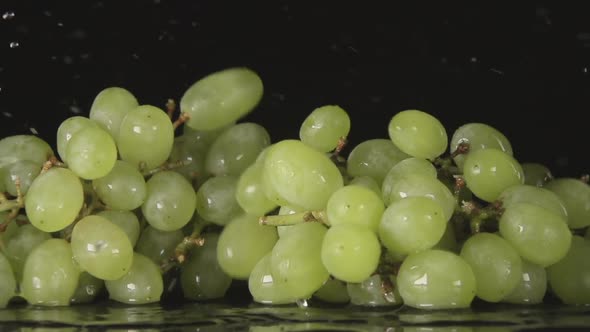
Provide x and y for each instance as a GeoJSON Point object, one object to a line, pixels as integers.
{"type": "Point", "coordinates": [302, 303]}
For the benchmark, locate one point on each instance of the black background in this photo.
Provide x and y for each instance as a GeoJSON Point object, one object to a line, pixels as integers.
{"type": "Point", "coordinates": [521, 68]}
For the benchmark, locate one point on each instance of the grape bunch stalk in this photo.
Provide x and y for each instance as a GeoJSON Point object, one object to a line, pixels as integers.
{"type": "Point", "coordinates": [133, 202]}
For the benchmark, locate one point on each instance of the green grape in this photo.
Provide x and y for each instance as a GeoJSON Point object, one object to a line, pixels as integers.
{"type": "Point", "coordinates": [350, 252]}
{"type": "Point", "coordinates": [221, 98]}
{"type": "Point", "coordinates": [296, 260]}
{"type": "Point", "coordinates": [201, 277]}
{"type": "Point", "coordinates": [436, 279]}
{"type": "Point", "coordinates": [355, 205]}
{"type": "Point", "coordinates": [50, 276]}
{"type": "Point", "coordinates": [568, 278]}
{"type": "Point", "coordinates": [170, 202]}
{"type": "Point", "coordinates": [283, 210]}
{"type": "Point", "coordinates": [24, 147]}
{"type": "Point", "coordinates": [496, 265]}
{"type": "Point", "coordinates": [538, 235]}
{"type": "Point", "coordinates": [421, 185]}
{"type": "Point", "coordinates": [110, 107]}
{"type": "Point", "coordinates": [324, 127]}
{"type": "Point", "coordinates": [126, 220]}
{"type": "Point", "coordinates": [406, 167]}
{"type": "Point", "coordinates": [367, 182]}
{"type": "Point", "coordinates": [191, 150]}
{"type": "Point", "coordinates": [374, 158]}
{"type": "Point", "coordinates": [371, 292]}
{"type": "Point", "coordinates": [236, 149]}
{"type": "Point", "coordinates": [250, 192]}
{"type": "Point", "coordinates": [89, 287]}
{"type": "Point", "coordinates": [101, 248]}
{"type": "Point", "coordinates": [488, 172]}
{"type": "Point", "coordinates": [242, 243]}
{"type": "Point", "coordinates": [54, 199]}
{"type": "Point", "coordinates": [25, 171]}
{"type": "Point", "coordinates": [158, 245]}
{"type": "Point", "coordinates": [333, 291]}
{"type": "Point", "coordinates": [10, 228]}
{"type": "Point", "coordinates": [534, 195]}
{"type": "Point", "coordinates": [216, 200]}
{"type": "Point", "coordinates": [300, 175]}
{"type": "Point", "coordinates": [123, 188]}
{"type": "Point", "coordinates": [264, 287]}
{"type": "Point", "coordinates": [142, 284]}
{"type": "Point", "coordinates": [8, 284]}
{"type": "Point", "coordinates": [536, 174]}
{"type": "Point", "coordinates": [2, 185]}
{"type": "Point", "coordinates": [67, 129]}
{"type": "Point", "coordinates": [411, 225]}
{"type": "Point", "coordinates": [448, 241]}
{"type": "Point", "coordinates": [18, 247]}
{"type": "Point", "coordinates": [479, 136]}
{"type": "Point", "coordinates": [418, 134]}
{"type": "Point", "coordinates": [531, 287]}
{"type": "Point", "coordinates": [91, 153]}
{"type": "Point", "coordinates": [575, 195]}
{"type": "Point", "coordinates": [145, 137]}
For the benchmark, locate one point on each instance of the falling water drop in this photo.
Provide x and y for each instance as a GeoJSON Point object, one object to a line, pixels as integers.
{"type": "Point", "coordinates": [8, 15]}
{"type": "Point", "coordinates": [14, 44]}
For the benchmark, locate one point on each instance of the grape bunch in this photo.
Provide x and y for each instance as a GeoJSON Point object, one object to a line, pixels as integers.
{"type": "Point", "coordinates": [132, 198]}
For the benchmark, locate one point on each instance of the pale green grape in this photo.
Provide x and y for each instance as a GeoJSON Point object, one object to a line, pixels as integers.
{"type": "Point", "coordinates": [54, 199]}
{"type": "Point", "coordinates": [367, 182]}
{"type": "Point", "coordinates": [9, 230]}
{"type": "Point", "coordinates": [488, 172]}
{"type": "Point", "coordinates": [350, 252]}
{"type": "Point", "coordinates": [496, 265]}
{"type": "Point", "coordinates": [25, 171]}
{"type": "Point", "coordinates": [140, 285]}
{"type": "Point", "coordinates": [2, 185]}
{"type": "Point", "coordinates": [575, 195]}
{"type": "Point", "coordinates": [24, 147]}
{"type": "Point", "coordinates": [324, 127]}
{"type": "Point", "coordinates": [436, 279]}
{"type": "Point", "coordinates": [421, 185]}
{"type": "Point", "coordinates": [418, 134]}
{"type": "Point", "coordinates": [286, 209]}
{"type": "Point", "coordinates": [50, 276]}
{"type": "Point", "coordinates": [479, 136]}
{"type": "Point", "coordinates": [216, 200]}
{"type": "Point", "coordinates": [531, 286]}
{"type": "Point", "coordinates": [296, 260]}
{"type": "Point", "coordinates": [123, 188]}
{"type": "Point", "coordinates": [18, 247]}
{"type": "Point", "coordinates": [158, 245]}
{"type": "Point", "coordinates": [242, 243]}
{"type": "Point", "coordinates": [110, 107]}
{"type": "Point", "coordinates": [170, 201]}
{"type": "Point", "coordinates": [201, 277]}
{"type": "Point", "coordinates": [406, 167]}
{"type": "Point", "coordinates": [333, 291]}
{"type": "Point", "coordinates": [8, 284]}
{"type": "Point", "coordinates": [569, 277]}
{"type": "Point", "coordinates": [355, 205]}
{"type": "Point", "coordinates": [300, 175]}
{"type": "Point", "coordinates": [448, 241]}
{"type": "Point", "coordinates": [264, 287]}
{"type": "Point", "coordinates": [67, 129]}
{"type": "Point", "coordinates": [91, 153]}
{"type": "Point", "coordinates": [370, 292]}
{"type": "Point", "coordinates": [221, 98]}
{"type": "Point", "coordinates": [101, 248]}
{"type": "Point", "coordinates": [411, 225]}
{"type": "Point", "coordinates": [89, 287]}
{"type": "Point", "coordinates": [126, 220]}
{"type": "Point", "coordinates": [374, 158]}
{"type": "Point", "coordinates": [250, 192]}
{"type": "Point", "coordinates": [236, 149]}
{"type": "Point", "coordinates": [536, 174]}
{"type": "Point", "coordinates": [538, 235]}
{"type": "Point", "coordinates": [533, 195]}
{"type": "Point", "coordinates": [145, 137]}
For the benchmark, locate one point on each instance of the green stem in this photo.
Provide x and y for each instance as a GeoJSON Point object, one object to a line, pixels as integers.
{"type": "Point", "coordinates": [295, 218]}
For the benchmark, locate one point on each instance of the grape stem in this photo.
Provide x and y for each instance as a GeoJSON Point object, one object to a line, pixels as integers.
{"type": "Point", "coordinates": [189, 242]}
{"type": "Point", "coordinates": [295, 218]}
{"type": "Point", "coordinates": [482, 217]}
{"type": "Point", "coordinates": [585, 178]}
{"type": "Point", "coordinates": [170, 108]}
{"type": "Point", "coordinates": [51, 162]}
{"type": "Point", "coordinates": [462, 148]}
{"type": "Point", "coordinates": [184, 117]}
{"type": "Point", "coordinates": [13, 205]}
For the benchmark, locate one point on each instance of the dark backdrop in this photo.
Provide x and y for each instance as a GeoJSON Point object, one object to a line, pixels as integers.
{"type": "Point", "coordinates": [520, 68]}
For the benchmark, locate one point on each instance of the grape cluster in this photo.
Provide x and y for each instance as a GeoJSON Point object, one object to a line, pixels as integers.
{"type": "Point", "coordinates": [128, 204]}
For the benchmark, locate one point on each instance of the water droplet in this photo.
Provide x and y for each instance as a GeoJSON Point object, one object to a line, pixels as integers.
{"type": "Point", "coordinates": [14, 44]}
{"type": "Point", "coordinates": [68, 60]}
{"type": "Point", "coordinates": [473, 59]}
{"type": "Point", "coordinates": [302, 303]}
{"type": "Point", "coordinates": [75, 109]}
{"type": "Point", "coordinates": [585, 70]}
{"type": "Point", "coordinates": [60, 24]}
{"type": "Point", "coordinates": [34, 131]}
{"type": "Point", "coordinates": [47, 13]}
{"type": "Point", "coordinates": [8, 15]}
{"type": "Point", "coordinates": [7, 114]}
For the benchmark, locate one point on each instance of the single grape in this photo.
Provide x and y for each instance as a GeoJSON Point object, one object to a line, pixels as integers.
{"type": "Point", "coordinates": [67, 129]}
{"type": "Point", "coordinates": [221, 98]}
{"type": "Point", "coordinates": [24, 147]}
{"type": "Point", "coordinates": [536, 174]}
{"type": "Point", "coordinates": [355, 205]}
{"type": "Point", "coordinates": [250, 192]}
{"type": "Point", "coordinates": [448, 241]}
{"type": "Point", "coordinates": [568, 278]}
{"type": "Point", "coordinates": [333, 291]}
{"type": "Point", "coordinates": [436, 279]}
{"type": "Point", "coordinates": [18, 247]}
{"type": "Point", "coordinates": [126, 220]}
{"type": "Point", "coordinates": [123, 188]}
{"type": "Point", "coordinates": [91, 153]}
{"type": "Point", "coordinates": [479, 136]}
{"type": "Point", "coordinates": [488, 172]}
{"type": "Point", "coordinates": [8, 284]}
{"type": "Point", "coordinates": [534, 195]}
{"type": "Point", "coordinates": [406, 167]}
{"type": "Point", "coordinates": [158, 245]}
{"type": "Point", "coordinates": [372, 293]}
{"type": "Point", "coordinates": [531, 286]}
{"type": "Point", "coordinates": [418, 134]}
{"type": "Point", "coordinates": [367, 182]}
{"type": "Point", "coordinates": [54, 199]}
{"type": "Point", "coordinates": [110, 107]}
{"type": "Point", "coordinates": [25, 171]}
{"type": "Point", "coordinates": [324, 127]}
{"type": "Point", "coordinates": [216, 200]}
{"type": "Point", "coordinates": [88, 289]}
{"type": "Point", "coordinates": [140, 285]}
{"type": "Point", "coordinates": [575, 195]}
{"type": "Point", "coordinates": [264, 287]}
{"type": "Point", "coordinates": [374, 158]}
